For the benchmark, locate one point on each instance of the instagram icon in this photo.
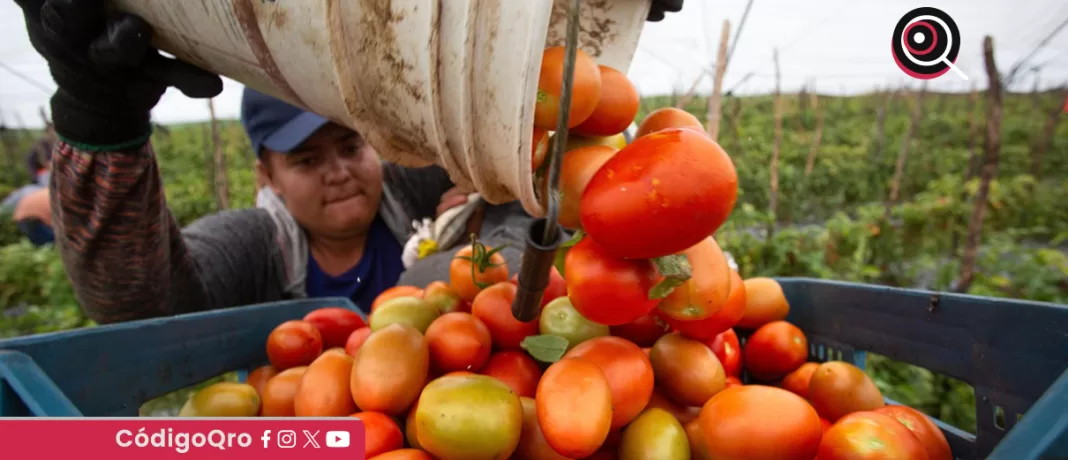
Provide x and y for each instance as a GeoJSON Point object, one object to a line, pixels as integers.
{"type": "Point", "coordinates": [287, 439]}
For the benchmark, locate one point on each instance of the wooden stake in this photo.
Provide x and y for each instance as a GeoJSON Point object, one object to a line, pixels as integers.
{"type": "Point", "coordinates": [715, 99]}
{"type": "Point", "coordinates": [1044, 141]}
{"type": "Point", "coordinates": [990, 167]}
{"type": "Point", "coordinates": [903, 154]}
{"type": "Point", "coordinates": [773, 196]}
{"type": "Point", "coordinates": [815, 99]}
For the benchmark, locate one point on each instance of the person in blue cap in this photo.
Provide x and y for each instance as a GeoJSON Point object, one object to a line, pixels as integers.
{"type": "Point", "coordinates": [332, 219]}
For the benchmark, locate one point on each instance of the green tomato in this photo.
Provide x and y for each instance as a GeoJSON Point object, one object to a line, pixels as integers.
{"type": "Point", "coordinates": [561, 319]}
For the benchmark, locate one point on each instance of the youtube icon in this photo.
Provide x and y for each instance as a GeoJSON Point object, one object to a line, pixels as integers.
{"type": "Point", "coordinates": [337, 439]}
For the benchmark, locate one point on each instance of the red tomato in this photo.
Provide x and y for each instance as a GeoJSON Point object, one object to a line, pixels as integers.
{"type": "Point", "coordinates": [729, 351]}
{"type": "Point", "coordinates": [643, 331]}
{"type": "Point", "coordinates": [605, 289]}
{"type": "Point", "coordinates": [727, 316]}
{"type": "Point", "coordinates": [826, 425]}
{"type": "Point", "coordinates": [556, 288]}
{"type": "Point", "coordinates": [493, 306]}
{"type": "Point", "coordinates": [356, 340]}
{"type": "Point", "coordinates": [733, 381]}
{"type": "Point", "coordinates": [335, 324]}
{"type": "Point", "coordinates": [679, 179]}
{"type": "Point", "coordinates": [516, 369]}
{"type": "Point", "coordinates": [776, 349]}
{"type": "Point", "coordinates": [294, 343]}
{"type": "Point", "coordinates": [934, 442]}
{"type": "Point", "coordinates": [708, 288]}
{"type": "Point", "coordinates": [870, 435]}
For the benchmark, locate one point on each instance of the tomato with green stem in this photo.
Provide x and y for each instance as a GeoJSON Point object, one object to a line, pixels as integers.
{"type": "Point", "coordinates": [476, 267]}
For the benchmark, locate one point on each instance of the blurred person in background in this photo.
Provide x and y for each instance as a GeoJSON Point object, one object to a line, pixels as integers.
{"type": "Point", "coordinates": [29, 206]}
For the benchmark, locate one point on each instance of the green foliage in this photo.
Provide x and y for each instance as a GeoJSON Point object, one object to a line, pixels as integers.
{"type": "Point", "coordinates": [830, 224]}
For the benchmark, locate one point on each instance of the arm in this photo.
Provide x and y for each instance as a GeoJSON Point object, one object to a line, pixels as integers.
{"type": "Point", "coordinates": [417, 190]}
{"type": "Point", "coordinates": [125, 253]}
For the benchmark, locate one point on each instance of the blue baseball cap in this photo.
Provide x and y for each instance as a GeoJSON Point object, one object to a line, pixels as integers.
{"type": "Point", "coordinates": [275, 124]}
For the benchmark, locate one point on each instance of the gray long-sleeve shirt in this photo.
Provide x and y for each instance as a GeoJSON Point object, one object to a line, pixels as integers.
{"type": "Point", "coordinates": [128, 259]}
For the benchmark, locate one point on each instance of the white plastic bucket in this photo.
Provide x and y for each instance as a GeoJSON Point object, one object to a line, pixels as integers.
{"type": "Point", "coordinates": [447, 82]}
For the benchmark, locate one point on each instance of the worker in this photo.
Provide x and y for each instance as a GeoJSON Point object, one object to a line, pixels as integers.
{"type": "Point", "coordinates": [337, 226]}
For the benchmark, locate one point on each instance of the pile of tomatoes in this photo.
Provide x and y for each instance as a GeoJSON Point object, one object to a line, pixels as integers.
{"type": "Point", "coordinates": [448, 373]}
{"type": "Point", "coordinates": [634, 354]}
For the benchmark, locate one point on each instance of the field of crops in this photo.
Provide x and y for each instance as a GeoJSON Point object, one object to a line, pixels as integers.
{"type": "Point", "coordinates": [831, 222]}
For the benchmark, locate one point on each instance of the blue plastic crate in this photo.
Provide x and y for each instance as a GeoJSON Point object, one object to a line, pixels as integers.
{"type": "Point", "coordinates": [1014, 353]}
{"type": "Point", "coordinates": [112, 370]}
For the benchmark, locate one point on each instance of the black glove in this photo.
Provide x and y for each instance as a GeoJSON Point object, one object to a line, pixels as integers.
{"type": "Point", "coordinates": [109, 76]}
{"type": "Point", "coordinates": [660, 7]}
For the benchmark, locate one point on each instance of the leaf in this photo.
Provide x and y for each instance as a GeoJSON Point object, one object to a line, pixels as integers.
{"type": "Point", "coordinates": [675, 269]}
{"type": "Point", "coordinates": [545, 348]}
{"type": "Point", "coordinates": [561, 252]}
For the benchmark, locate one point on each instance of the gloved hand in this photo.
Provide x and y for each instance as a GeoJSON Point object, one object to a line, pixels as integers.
{"type": "Point", "coordinates": [660, 7]}
{"type": "Point", "coordinates": [109, 76]}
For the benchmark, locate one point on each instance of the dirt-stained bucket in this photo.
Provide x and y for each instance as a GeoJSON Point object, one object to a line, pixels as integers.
{"type": "Point", "coordinates": [447, 82]}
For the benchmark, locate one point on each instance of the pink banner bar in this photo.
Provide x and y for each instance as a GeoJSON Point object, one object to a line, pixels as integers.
{"type": "Point", "coordinates": [187, 438]}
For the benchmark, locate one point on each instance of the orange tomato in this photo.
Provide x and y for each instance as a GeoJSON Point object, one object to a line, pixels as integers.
{"type": "Point", "coordinates": [764, 303]}
{"type": "Point", "coordinates": [667, 117]}
{"type": "Point", "coordinates": [687, 370]}
{"type": "Point", "coordinates": [458, 341]}
{"type": "Point", "coordinates": [381, 433]}
{"type": "Point", "coordinates": [709, 286]}
{"type": "Point", "coordinates": [532, 444]}
{"type": "Point", "coordinates": [627, 370]}
{"type": "Point", "coordinates": [797, 381]}
{"type": "Point", "coordinates": [678, 178]}
{"type": "Point", "coordinates": [569, 387]}
{"type": "Point", "coordinates": [403, 454]}
{"type": "Point", "coordinates": [474, 268]}
{"type": "Point", "coordinates": [335, 324]}
{"type": "Point", "coordinates": [722, 320]}
{"type": "Point", "coordinates": [280, 391]}
{"type": "Point", "coordinates": [577, 169]}
{"type": "Point", "coordinates": [444, 297]}
{"type": "Point", "coordinates": [615, 110]}
{"type": "Point", "coordinates": [293, 343]}
{"type": "Point", "coordinates": [356, 339]}
{"type": "Point", "coordinates": [516, 369]}
{"type": "Point", "coordinates": [854, 436]}
{"type": "Point", "coordinates": [259, 377]}
{"type": "Point", "coordinates": [757, 422]}
{"type": "Point", "coordinates": [494, 307]}
{"type": "Point", "coordinates": [539, 147]}
{"type": "Point", "coordinates": [838, 388]}
{"type": "Point", "coordinates": [934, 442]}
{"type": "Point", "coordinates": [776, 349]}
{"type": "Point", "coordinates": [643, 331]}
{"type": "Point", "coordinates": [390, 370]}
{"type": "Point", "coordinates": [324, 389]}
{"type": "Point", "coordinates": [394, 292]}
{"type": "Point", "coordinates": [585, 88]}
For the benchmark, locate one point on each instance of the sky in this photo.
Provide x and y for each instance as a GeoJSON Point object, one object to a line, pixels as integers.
{"type": "Point", "coordinates": [836, 46]}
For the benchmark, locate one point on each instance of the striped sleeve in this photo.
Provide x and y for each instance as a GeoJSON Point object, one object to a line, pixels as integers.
{"type": "Point", "coordinates": [122, 248]}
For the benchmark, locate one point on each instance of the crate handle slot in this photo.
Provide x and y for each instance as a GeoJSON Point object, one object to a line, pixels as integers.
{"type": "Point", "coordinates": [33, 387]}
